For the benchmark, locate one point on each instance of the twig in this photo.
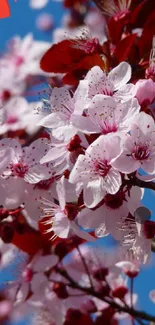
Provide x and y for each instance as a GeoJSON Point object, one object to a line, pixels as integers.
{"type": "Point", "coordinates": [89, 291]}
{"type": "Point", "coordinates": [86, 267]}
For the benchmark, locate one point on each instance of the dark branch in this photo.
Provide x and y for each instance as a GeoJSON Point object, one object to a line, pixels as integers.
{"type": "Point", "coordinates": [90, 291]}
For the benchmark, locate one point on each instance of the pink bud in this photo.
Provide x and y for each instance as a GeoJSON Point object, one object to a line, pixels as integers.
{"type": "Point", "coordinates": [45, 22]}
{"type": "Point", "coordinates": [145, 91]}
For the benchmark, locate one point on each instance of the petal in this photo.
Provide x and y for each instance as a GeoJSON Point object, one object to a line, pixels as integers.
{"type": "Point", "coordinates": [93, 193]}
{"type": "Point", "coordinates": [52, 120]}
{"type": "Point", "coordinates": [53, 154]}
{"type": "Point", "coordinates": [81, 171]}
{"type": "Point", "coordinates": [38, 4]}
{"type": "Point", "coordinates": [44, 263]}
{"type": "Point", "coordinates": [152, 296]}
{"type": "Point", "coordinates": [80, 233]}
{"type": "Point", "coordinates": [126, 164]}
{"type": "Point", "coordinates": [36, 174]}
{"type": "Point", "coordinates": [38, 283]}
{"type": "Point", "coordinates": [113, 181]}
{"type": "Point", "coordinates": [96, 78]}
{"type": "Point", "coordinates": [6, 156]}
{"type": "Point", "coordinates": [90, 219]}
{"type": "Point", "coordinates": [60, 187]}
{"type": "Point", "coordinates": [84, 124]}
{"type": "Point", "coordinates": [22, 293]}
{"type": "Point", "coordinates": [120, 75]}
{"type": "Point", "coordinates": [61, 225]}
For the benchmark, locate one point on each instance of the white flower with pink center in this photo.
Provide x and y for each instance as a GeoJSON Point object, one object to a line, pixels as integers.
{"type": "Point", "coordinates": [94, 171]}
{"type": "Point", "coordinates": [25, 162]}
{"type": "Point", "coordinates": [105, 116]}
{"type": "Point", "coordinates": [32, 278]}
{"type": "Point", "coordinates": [115, 84]}
{"type": "Point", "coordinates": [24, 55]}
{"type": "Point", "coordinates": [63, 153]}
{"type": "Point", "coordinates": [115, 208]}
{"type": "Point", "coordinates": [63, 106]}
{"type": "Point", "coordinates": [18, 114]}
{"type": "Point", "coordinates": [138, 147]}
{"type": "Point", "coordinates": [60, 220]}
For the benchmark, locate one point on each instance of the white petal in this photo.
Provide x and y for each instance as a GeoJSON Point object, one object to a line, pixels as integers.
{"type": "Point", "coordinates": [81, 233]}
{"type": "Point", "coordinates": [44, 263]}
{"type": "Point", "coordinates": [38, 4]}
{"type": "Point", "coordinates": [120, 75]}
{"type": "Point", "coordinates": [22, 293]}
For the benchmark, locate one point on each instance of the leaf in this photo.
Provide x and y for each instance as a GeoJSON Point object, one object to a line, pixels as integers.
{"type": "Point", "coordinates": [124, 48]}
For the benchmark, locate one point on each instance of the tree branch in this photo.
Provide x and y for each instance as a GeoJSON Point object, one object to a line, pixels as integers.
{"type": "Point", "coordinates": [140, 183]}
{"type": "Point", "coordinates": [112, 303]}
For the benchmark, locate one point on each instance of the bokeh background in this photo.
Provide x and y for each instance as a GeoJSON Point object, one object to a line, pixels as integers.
{"type": "Point", "coordinates": [22, 22]}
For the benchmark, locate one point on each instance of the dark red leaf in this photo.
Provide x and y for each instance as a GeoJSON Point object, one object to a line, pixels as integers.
{"type": "Point", "coordinates": [60, 57]}
{"type": "Point", "coordinates": [124, 48]}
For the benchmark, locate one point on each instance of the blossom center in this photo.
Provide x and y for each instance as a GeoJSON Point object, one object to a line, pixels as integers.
{"type": "Point", "coordinates": [141, 153]}
{"type": "Point", "coordinates": [106, 128]}
{"type": "Point", "coordinates": [91, 45]}
{"type": "Point", "coordinates": [19, 60]}
{"type": "Point", "coordinates": [102, 167]}
{"type": "Point", "coordinates": [12, 120]}
{"type": "Point", "coordinates": [114, 201]}
{"type": "Point", "coordinates": [27, 275]}
{"type": "Point", "coordinates": [19, 169]}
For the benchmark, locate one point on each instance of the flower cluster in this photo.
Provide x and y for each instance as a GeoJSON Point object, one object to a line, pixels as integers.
{"type": "Point", "coordinates": [74, 165]}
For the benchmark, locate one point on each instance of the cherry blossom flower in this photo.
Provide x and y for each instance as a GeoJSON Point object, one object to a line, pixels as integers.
{"type": "Point", "coordinates": [17, 114]}
{"type": "Point", "coordinates": [115, 84]}
{"type": "Point", "coordinates": [60, 221]}
{"type": "Point", "coordinates": [114, 208]}
{"type": "Point", "coordinates": [63, 106]}
{"type": "Point", "coordinates": [6, 155]}
{"type": "Point", "coordinates": [94, 171]}
{"type": "Point", "coordinates": [45, 22]}
{"type": "Point", "coordinates": [24, 162]}
{"type": "Point", "coordinates": [152, 295]}
{"type": "Point", "coordinates": [38, 4]}
{"type": "Point", "coordinates": [145, 91]}
{"type": "Point", "coordinates": [105, 116]}
{"type": "Point", "coordinates": [63, 153]}
{"type": "Point", "coordinates": [24, 55]}
{"type": "Point", "coordinates": [138, 147]}
{"type": "Point", "coordinates": [33, 277]}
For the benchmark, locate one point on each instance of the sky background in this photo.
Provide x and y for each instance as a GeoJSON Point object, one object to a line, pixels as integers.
{"type": "Point", "coordinates": [22, 22]}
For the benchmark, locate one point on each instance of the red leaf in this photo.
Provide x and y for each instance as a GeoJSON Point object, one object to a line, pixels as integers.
{"type": "Point", "coordinates": [30, 242]}
{"type": "Point", "coordinates": [115, 29]}
{"type": "Point", "coordinates": [81, 68]}
{"type": "Point", "coordinates": [124, 48]}
{"type": "Point", "coordinates": [145, 41]}
{"type": "Point", "coordinates": [60, 57]}
{"type": "Point", "coordinates": [141, 13]}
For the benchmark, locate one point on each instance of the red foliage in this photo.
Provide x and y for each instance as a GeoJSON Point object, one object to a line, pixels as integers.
{"type": "Point", "coordinates": [74, 57]}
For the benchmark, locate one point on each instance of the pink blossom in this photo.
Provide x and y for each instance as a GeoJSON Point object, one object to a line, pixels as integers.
{"type": "Point", "coordinates": [24, 162]}
{"type": "Point", "coordinates": [45, 22]}
{"type": "Point", "coordinates": [138, 147]}
{"type": "Point", "coordinates": [63, 153]}
{"type": "Point", "coordinates": [33, 278]}
{"type": "Point", "coordinates": [94, 171]}
{"type": "Point", "coordinates": [59, 220]}
{"type": "Point", "coordinates": [62, 106]}
{"type": "Point", "coordinates": [38, 4]}
{"type": "Point", "coordinates": [145, 91]}
{"type": "Point", "coordinates": [115, 84]}
{"type": "Point", "coordinates": [18, 114]}
{"type": "Point", "coordinates": [105, 116]}
{"type": "Point", "coordinates": [24, 56]}
{"type": "Point", "coordinates": [152, 295]}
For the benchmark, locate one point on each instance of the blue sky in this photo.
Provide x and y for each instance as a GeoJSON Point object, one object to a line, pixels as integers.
{"type": "Point", "coordinates": [21, 22]}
